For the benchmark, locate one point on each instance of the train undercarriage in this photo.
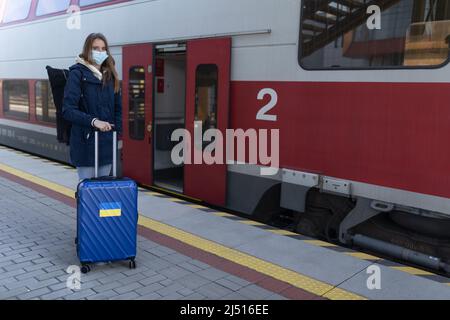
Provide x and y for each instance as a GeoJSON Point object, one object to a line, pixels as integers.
{"type": "Point", "coordinates": [412, 236]}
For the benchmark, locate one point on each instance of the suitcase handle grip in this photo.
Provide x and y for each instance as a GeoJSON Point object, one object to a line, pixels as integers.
{"type": "Point", "coordinates": [114, 160]}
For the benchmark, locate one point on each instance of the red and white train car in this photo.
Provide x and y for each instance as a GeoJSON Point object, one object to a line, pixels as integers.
{"type": "Point", "coordinates": [360, 96]}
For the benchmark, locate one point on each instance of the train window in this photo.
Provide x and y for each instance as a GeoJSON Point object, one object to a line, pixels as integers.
{"type": "Point", "coordinates": [84, 3]}
{"type": "Point", "coordinates": [45, 108]}
{"type": "Point", "coordinates": [16, 99]}
{"type": "Point", "coordinates": [136, 102]}
{"type": "Point", "coordinates": [16, 10]}
{"type": "Point", "coordinates": [342, 35]}
{"type": "Point", "coordinates": [206, 95]}
{"type": "Point", "coordinates": [51, 6]}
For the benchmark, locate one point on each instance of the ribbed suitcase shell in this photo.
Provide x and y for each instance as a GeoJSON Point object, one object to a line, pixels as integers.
{"type": "Point", "coordinates": [102, 234]}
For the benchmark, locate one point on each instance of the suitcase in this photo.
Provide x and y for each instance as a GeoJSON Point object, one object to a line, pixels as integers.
{"type": "Point", "coordinates": [107, 217]}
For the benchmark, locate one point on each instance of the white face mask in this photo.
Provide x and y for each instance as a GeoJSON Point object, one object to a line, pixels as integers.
{"type": "Point", "coordinates": [99, 56]}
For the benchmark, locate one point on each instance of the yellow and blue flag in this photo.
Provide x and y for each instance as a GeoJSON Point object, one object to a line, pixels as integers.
{"type": "Point", "coordinates": [110, 209]}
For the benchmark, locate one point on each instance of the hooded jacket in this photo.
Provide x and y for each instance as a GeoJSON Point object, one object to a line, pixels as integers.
{"type": "Point", "coordinates": [86, 98]}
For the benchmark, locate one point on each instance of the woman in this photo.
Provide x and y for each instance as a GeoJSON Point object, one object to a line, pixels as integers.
{"type": "Point", "coordinates": [92, 100]}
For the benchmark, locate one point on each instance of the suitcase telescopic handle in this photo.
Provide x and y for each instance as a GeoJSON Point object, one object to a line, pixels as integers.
{"type": "Point", "coordinates": [114, 160]}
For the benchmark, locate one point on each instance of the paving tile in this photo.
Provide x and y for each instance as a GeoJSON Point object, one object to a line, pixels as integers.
{"type": "Point", "coordinates": [34, 294]}
{"type": "Point", "coordinates": [132, 279]}
{"type": "Point", "coordinates": [213, 291]}
{"type": "Point", "coordinates": [229, 284]}
{"type": "Point", "coordinates": [149, 289]}
{"type": "Point", "coordinates": [78, 295]}
{"type": "Point", "coordinates": [150, 296]}
{"type": "Point", "coordinates": [131, 287]}
{"type": "Point", "coordinates": [173, 288]}
{"type": "Point", "coordinates": [126, 296]}
{"type": "Point", "coordinates": [254, 292]}
{"type": "Point", "coordinates": [189, 266]}
{"type": "Point", "coordinates": [212, 274]}
{"type": "Point", "coordinates": [175, 272]}
{"type": "Point", "coordinates": [44, 283]}
{"type": "Point", "coordinates": [194, 296]}
{"type": "Point", "coordinates": [192, 281]}
{"type": "Point", "coordinates": [152, 279]}
{"type": "Point", "coordinates": [103, 296]}
{"type": "Point", "coordinates": [57, 294]}
{"type": "Point", "coordinates": [107, 287]}
{"type": "Point", "coordinates": [13, 293]}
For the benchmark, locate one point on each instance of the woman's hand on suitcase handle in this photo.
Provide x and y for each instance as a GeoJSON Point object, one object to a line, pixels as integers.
{"type": "Point", "coordinates": [103, 126]}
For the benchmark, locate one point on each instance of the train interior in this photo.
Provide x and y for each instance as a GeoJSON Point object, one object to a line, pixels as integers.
{"type": "Point", "coordinates": [169, 113]}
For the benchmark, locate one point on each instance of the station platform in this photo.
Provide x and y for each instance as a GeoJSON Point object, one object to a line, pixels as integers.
{"type": "Point", "coordinates": [185, 251]}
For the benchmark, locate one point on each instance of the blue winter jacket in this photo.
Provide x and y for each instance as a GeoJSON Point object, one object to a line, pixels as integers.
{"type": "Point", "coordinates": [86, 98]}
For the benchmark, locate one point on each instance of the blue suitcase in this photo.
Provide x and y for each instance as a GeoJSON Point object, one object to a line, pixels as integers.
{"type": "Point", "coordinates": [107, 217]}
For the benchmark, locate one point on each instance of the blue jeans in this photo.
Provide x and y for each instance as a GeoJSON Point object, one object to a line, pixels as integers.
{"type": "Point", "coordinates": [89, 172]}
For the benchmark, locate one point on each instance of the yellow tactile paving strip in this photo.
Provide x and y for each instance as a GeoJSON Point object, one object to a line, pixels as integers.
{"type": "Point", "coordinates": [222, 214]}
{"type": "Point", "coordinates": [320, 243]}
{"type": "Point", "coordinates": [414, 271]}
{"type": "Point", "coordinates": [42, 182]}
{"type": "Point", "coordinates": [196, 206]}
{"type": "Point", "coordinates": [298, 280]}
{"type": "Point", "coordinates": [252, 223]}
{"type": "Point", "coordinates": [362, 255]}
{"type": "Point", "coordinates": [283, 232]}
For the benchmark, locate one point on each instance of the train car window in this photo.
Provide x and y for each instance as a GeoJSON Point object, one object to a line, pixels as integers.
{"type": "Point", "coordinates": [84, 3]}
{"type": "Point", "coordinates": [206, 95]}
{"type": "Point", "coordinates": [16, 100]}
{"type": "Point", "coordinates": [136, 103]}
{"type": "Point", "coordinates": [45, 108]}
{"type": "Point", "coordinates": [342, 35]}
{"type": "Point", "coordinates": [16, 10]}
{"type": "Point", "coordinates": [51, 6]}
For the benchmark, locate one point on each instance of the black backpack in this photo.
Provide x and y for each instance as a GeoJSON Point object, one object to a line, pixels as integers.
{"type": "Point", "coordinates": [58, 79]}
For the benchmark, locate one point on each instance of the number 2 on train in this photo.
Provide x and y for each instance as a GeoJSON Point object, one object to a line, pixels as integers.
{"type": "Point", "coordinates": [262, 113]}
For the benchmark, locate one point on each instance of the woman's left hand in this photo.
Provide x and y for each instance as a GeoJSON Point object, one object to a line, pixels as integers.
{"type": "Point", "coordinates": [102, 125]}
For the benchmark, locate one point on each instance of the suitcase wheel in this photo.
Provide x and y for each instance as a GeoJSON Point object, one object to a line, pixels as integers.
{"type": "Point", "coordinates": [85, 269]}
{"type": "Point", "coordinates": [132, 264]}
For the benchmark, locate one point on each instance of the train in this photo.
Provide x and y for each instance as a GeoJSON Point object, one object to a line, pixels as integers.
{"type": "Point", "coordinates": [356, 91]}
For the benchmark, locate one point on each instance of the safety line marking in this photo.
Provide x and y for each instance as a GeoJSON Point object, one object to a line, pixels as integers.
{"type": "Point", "coordinates": [196, 206]}
{"type": "Point", "coordinates": [32, 178]}
{"type": "Point", "coordinates": [283, 232]}
{"type": "Point", "coordinates": [252, 223]}
{"type": "Point", "coordinates": [178, 200]}
{"type": "Point", "coordinates": [222, 214]}
{"type": "Point", "coordinates": [174, 193]}
{"type": "Point", "coordinates": [151, 193]}
{"type": "Point", "coordinates": [362, 256]}
{"type": "Point", "coordinates": [320, 243]}
{"type": "Point", "coordinates": [412, 270]}
{"type": "Point", "coordinates": [294, 278]}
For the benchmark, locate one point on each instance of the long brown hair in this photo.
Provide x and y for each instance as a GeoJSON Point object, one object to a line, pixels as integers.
{"type": "Point", "coordinates": [108, 67]}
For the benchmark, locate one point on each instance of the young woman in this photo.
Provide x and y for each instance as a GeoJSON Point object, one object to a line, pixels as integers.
{"type": "Point", "coordinates": [92, 100]}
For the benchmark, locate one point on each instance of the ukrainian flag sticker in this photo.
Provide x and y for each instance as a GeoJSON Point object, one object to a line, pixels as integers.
{"type": "Point", "coordinates": [110, 209]}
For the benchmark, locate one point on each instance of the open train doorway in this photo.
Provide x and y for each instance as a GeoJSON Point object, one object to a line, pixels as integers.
{"type": "Point", "coordinates": [169, 113]}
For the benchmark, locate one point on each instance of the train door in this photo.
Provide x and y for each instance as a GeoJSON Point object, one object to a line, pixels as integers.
{"type": "Point", "coordinates": [169, 112]}
{"type": "Point", "coordinates": [137, 112]}
{"type": "Point", "coordinates": [207, 107]}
